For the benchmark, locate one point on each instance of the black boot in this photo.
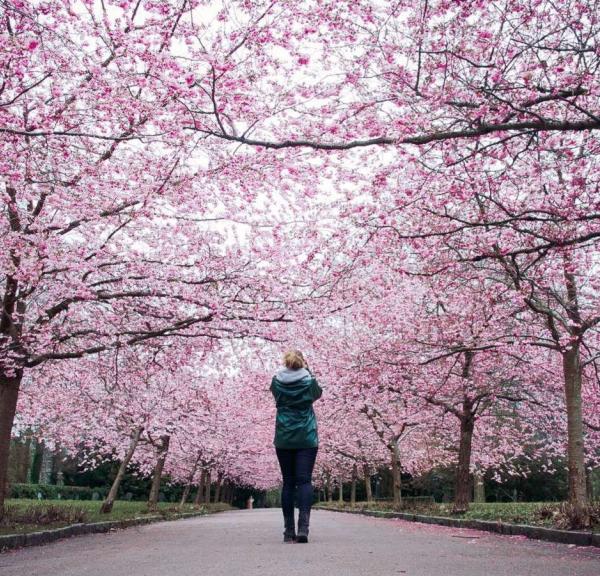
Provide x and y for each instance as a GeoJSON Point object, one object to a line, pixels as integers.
{"type": "Point", "coordinates": [289, 534]}
{"type": "Point", "coordinates": [303, 521]}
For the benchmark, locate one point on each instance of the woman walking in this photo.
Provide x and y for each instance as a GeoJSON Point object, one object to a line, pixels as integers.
{"type": "Point", "coordinates": [296, 440]}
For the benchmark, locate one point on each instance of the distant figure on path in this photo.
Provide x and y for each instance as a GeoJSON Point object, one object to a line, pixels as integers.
{"type": "Point", "coordinates": [296, 440]}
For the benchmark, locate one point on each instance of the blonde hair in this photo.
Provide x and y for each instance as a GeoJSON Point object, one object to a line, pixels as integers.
{"type": "Point", "coordinates": [294, 360]}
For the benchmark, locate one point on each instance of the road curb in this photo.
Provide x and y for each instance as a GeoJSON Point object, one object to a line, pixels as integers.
{"type": "Point", "coordinates": [12, 541]}
{"type": "Point", "coordinates": [572, 537]}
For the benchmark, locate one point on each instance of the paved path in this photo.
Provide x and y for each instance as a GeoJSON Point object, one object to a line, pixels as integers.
{"type": "Point", "coordinates": [249, 543]}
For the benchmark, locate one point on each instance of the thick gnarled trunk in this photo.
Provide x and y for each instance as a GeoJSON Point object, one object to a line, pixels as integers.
{"type": "Point", "coordinates": [9, 393]}
{"type": "Point", "coordinates": [462, 488]}
{"type": "Point", "coordinates": [109, 501]}
{"type": "Point", "coordinates": [575, 441]}
{"type": "Point", "coordinates": [396, 474]}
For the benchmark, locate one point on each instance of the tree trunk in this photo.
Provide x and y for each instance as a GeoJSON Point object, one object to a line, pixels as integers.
{"type": "Point", "coordinates": [9, 393]}
{"type": "Point", "coordinates": [200, 492]}
{"type": "Point", "coordinates": [341, 491]}
{"type": "Point", "coordinates": [353, 486]}
{"type": "Point", "coordinates": [157, 474]}
{"type": "Point", "coordinates": [185, 494]}
{"type": "Point", "coordinates": [478, 488]}
{"type": "Point", "coordinates": [368, 487]}
{"type": "Point", "coordinates": [13, 308]}
{"type": "Point", "coordinates": [207, 486]}
{"type": "Point", "coordinates": [218, 487]}
{"type": "Point", "coordinates": [20, 456]}
{"type": "Point", "coordinates": [107, 505]}
{"type": "Point", "coordinates": [189, 480]}
{"type": "Point", "coordinates": [328, 488]}
{"type": "Point", "coordinates": [396, 477]}
{"type": "Point", "coordinates": [575, 443]}
{"type": "Point", "coordinates": [462, 485]}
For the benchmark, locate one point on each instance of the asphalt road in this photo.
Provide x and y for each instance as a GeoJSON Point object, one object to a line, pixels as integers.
{"type": "Point", "coordinates": [249, 543]}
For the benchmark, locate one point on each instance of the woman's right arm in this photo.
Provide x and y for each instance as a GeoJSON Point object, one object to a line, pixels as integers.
{"type": "Point", "coordinates": [316, 390]}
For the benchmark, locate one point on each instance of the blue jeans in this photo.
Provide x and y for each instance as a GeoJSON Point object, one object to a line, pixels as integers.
{"type": "Point", "coordinates": [296, 468]}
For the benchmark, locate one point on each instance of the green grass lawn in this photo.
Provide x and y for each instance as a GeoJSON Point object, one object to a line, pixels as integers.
{"type": "Point", "coordinates": [31, 515]}
{"type": "Point", "coordinates": [549, 514]}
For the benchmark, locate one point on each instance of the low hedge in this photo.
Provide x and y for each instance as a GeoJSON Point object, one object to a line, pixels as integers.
{"type": "Point", "coordinates": [53, 492]}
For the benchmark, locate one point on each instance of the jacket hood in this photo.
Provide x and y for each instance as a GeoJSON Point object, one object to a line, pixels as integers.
{"type": "Point", "coordinates": [287, 376]}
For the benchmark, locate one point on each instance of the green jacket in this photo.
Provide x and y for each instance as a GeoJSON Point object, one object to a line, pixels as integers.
{"type": "Point", "coordinates": [294, 392]}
